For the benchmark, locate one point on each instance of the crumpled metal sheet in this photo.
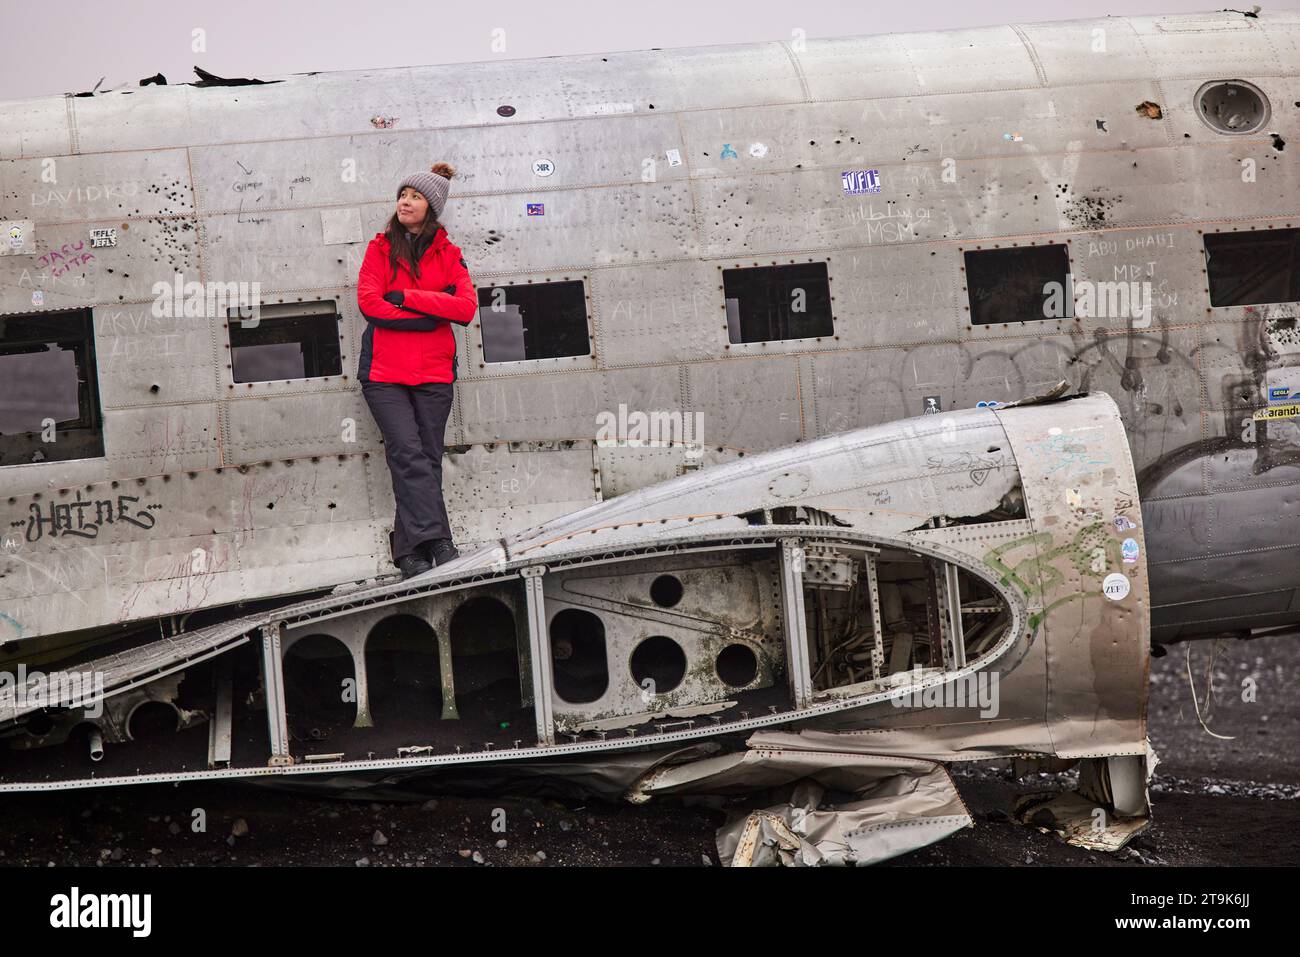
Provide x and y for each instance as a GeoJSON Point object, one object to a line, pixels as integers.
{"type": "Point", "coordinates": [879, 806]}
{"type": "Point", "coordinates": [1077, 821]}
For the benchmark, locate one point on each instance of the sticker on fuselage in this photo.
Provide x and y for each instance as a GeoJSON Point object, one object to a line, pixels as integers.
{"type": "Point", "coordinates": [1115, 586]}
{"type": "Point", "coordinates": [859, 181]}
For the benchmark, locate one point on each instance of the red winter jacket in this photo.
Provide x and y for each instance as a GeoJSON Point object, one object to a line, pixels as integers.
{"type": "Point", "coordinates": [413, 343]}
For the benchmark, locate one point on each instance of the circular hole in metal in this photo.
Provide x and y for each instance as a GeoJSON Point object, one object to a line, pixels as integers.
{"type": "Point", "coordinates": [660, 661]}
{"type": "Point", "coordinates": [737, 665]}
{"type": "Point", "coordinates": [40, 724]}
{"type": "Point", "coordinates": [666, 591]}
{"type": "Point", "coordinates": [152, 719]}
{"type": "Point", "coordinates": [1232, 106]}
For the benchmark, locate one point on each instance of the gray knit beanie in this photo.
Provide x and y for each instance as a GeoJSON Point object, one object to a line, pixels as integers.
{"type": "Point", "coordinates": [432, 185]}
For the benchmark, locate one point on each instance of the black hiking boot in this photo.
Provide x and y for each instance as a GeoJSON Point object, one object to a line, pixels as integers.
{"type": "Point", "coordinates": [412, 565]}
{"type": "Point", "coordinates": [443, 550]}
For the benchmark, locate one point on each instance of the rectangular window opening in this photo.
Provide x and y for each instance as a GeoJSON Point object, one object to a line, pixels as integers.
{"type": "Point", "coordinates": [49, 388]}
{"type": "Point", "coordinates": [775, 303]}
{"type": "Point", "coordinates": [534, 321]}
{"type": "Point", "coordinates": [1253, 269]}
{"type": "Point", "coordinates": [1022, 284]}
{"type": "Point", "coordinates": [298, 340]}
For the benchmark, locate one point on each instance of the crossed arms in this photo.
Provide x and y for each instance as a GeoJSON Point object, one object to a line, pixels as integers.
{"type": "Point", "coordinates": [413, 310]}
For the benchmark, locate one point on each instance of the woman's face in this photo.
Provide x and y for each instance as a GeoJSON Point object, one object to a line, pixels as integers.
{"type": "Point", "coordinates": [412, 208]}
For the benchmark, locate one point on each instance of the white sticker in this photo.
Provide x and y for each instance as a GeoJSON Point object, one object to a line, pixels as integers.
{"type": "Point", "coordinates": [106, 236]}
{"type": "Point", "coordinates": [757, 149]}
{"type": "Point", "coordinates": [674, 157]}
{"type": "Point", "coordinates": [543, 167]}
{"type": "Point", "coordinates": [1115, 586]}
{"type": "Point", "coordinates": [38, 298]}
{"type": "Point", "coordinates": [1073, 498]}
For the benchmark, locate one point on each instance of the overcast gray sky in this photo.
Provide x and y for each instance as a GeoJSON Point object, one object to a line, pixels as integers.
{"type": "Point", "coordinates": [64, 47]}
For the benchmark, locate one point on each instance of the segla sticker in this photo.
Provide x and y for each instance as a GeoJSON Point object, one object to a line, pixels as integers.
{"type": "Point", "coordinates": [1123, 523]}
{"type": "Point", "coordinates": [543, 167]}
{"type": "Point", "coordinates": [1115, 586]}
{"type": "Point", "coordinates": [16, 236]}
{"type": "Point", "coordinates": [932, 405]}
{"type": "Point", "coordinates": [1129, 550]}
{"type": "Point", "coordinates": [857, 181]}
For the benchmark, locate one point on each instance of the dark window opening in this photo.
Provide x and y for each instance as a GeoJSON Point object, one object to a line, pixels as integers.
{"type": "Point", "coordinates": [578, 661]}
{"type": "Point", "coordinates": [485, 646]}
{"type": "Point", "coordinates": [403, 672]}
{"type": "Point", "coordinates": [286, 341]}
{"type": "Point", "coordinates": [316, 671]}
{"type": "Point", "coordinates": [771, 303]}
{"type": "Point", "coordinates": [1024, 284]}
{"type": "Point", "coordinates": [48, 374]}
{"type": "Point", "coordinates": [1248, 269]}
{"type": "Point", "coordinates": [535, 321]}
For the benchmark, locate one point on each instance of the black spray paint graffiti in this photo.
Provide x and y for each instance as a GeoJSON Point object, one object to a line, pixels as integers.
{"type": "Point", "coordinates": [59, 521]}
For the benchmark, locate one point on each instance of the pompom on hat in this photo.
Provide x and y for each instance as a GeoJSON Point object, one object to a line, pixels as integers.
{"type": "Point", "coordinates": [432, 185]}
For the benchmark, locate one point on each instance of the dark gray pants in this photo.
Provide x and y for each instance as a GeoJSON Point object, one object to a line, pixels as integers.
{"type": "Point", "coordinates": [413, 419]}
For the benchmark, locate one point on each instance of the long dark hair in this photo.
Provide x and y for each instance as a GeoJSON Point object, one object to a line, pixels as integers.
{"type": "Point", "coordinates": [400, 246]}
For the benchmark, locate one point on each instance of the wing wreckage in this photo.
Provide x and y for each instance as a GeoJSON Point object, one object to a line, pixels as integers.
{"type": "Point", "coordinates": [826, 624]}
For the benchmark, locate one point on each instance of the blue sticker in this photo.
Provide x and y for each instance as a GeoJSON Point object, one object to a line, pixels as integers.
{"type": "Point", "coordinates": [536, 209]}
{"type": "Point", "coordinates": [1129, 550]}
{"type": "Point", "coordinates": [988, 404]}
{"type": "Point", "coordinates": [1279, 394]}
{"type": "Point", "coordinates": [728, 152]}
{"type": "Point", "coordinates": [858, 181]}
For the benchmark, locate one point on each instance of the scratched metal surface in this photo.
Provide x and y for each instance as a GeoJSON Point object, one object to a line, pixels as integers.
{"type": "Point", "coordinates": [246, 184]}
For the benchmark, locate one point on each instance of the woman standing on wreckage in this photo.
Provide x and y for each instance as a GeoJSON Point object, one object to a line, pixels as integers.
{"type": "Point", "coordinates": [413, 285]}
